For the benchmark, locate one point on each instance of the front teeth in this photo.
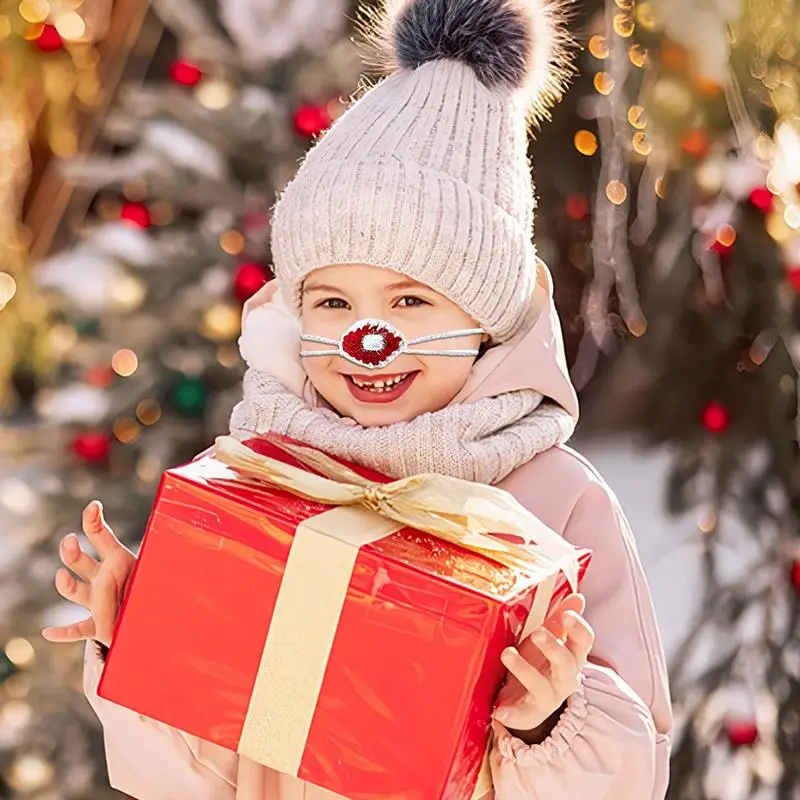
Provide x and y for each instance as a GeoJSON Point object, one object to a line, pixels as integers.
{"type": "Point", "coordinates": [380, 386]}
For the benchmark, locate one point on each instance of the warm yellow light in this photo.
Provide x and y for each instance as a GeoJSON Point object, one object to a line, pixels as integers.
{"type": "Point", "coordinates": [586, 143]}
{"type": "Point", "coordinates": [8, 287]}
{"type": "Point", "coordinates": [214, 94]}
{"type": "Point", "coordinates": [603, 83]}
{"type": "Point", "coordinates": [148, 412]}
{"type": "Point", "coordinates": [726, 235]}
{"type": "Point", "coordinates": [71, 26]}
{"type": "Point", "coordinates": [638, 325]}
{"type": "Point", "coordinates": [128, 293]}
{"type": "Point", "coordinates": [792, 216]}
{"type": "Point", "coordinates": [231, 242]}
{"type": "Point", "coordinates": [126, 430]}
{"type": "Point", "coordinates": [124, 362]}
{"type": "Point", "coordinates": [645, 16]}
{"type": "Point", "coordinates": [617, 192]}
{"type": "Point", "coordinates": [34, 11]}
{"type": "Point", "coordinates": [598, 46]}
{"type": "Point", "coordinates": [221, 322]}
{"type": "Point", "coordinates": [5, 27]}
{"type": "Point", "coordinates": [641, 144]}
{"type": "Point", "coordinates": [661, 188]}
{"type": "Point", "coordinates": [637, 55]}
{"type": "Point", "coordinates": [20, 652]}
{"type": "Point", "coordinates": [637, 117]}
{"type": "Point", "coordinates": [624, 25]}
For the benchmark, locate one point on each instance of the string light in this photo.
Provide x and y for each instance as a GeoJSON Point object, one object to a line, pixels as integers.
{"type": "Point", "coordinates": [792, 216]}
{"type": "Point", "coordinates": [641, 144]}
{"type": "Point", "coordinates": [126, 430]}
{"type": "Point", "coordinates": [617, 192]}
{"type": "Point", "coordinates": [71, 26]}
{"type": "Point", "coordinates": [214, 94]}
{"type": "Point", "coordinates": [626, 5]}
{"type": "Point", "coordinates": [645, 16]}
{"type": "Point", "coordinates": [624, 25]}
{"type": "Point", "coordinates": [20, 652]}
{"type": "Point", "coordinates": [8, 288]}
{"type": "Point", "coordinates": [598, 46]}
{"type": "Point", "coordinates": [232, 242]}
{"type": "Point", "coordinates": [148, 412]}
{"type": "Point", "coordinates": [637, 118]}
{"type": "Point", "coordinates": [34, 11]}
{"type": "Point", "coordinates": [221, 322]}
{"type": "Point", "coordinates": [586, 143]}
{"type": "Point", "coordinates": [124, 362]}
{"type": "Point", "coordinates": [638, 325]}
{"type": "Point", "coordinates": [29, 773]}
{"type": "Point", "coordinates": [726, 235]}
{"type": "Point", "coordinates": [603, 83]}
{"type": "Point", "coordinates": [638, 55]}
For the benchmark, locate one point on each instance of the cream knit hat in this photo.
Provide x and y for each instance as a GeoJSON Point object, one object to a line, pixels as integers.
{"type": "Point", "coordinates": [427, 173]}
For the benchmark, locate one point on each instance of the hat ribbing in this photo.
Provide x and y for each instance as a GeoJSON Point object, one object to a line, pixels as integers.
{"type": "Point", "coordinates": [427, 173]}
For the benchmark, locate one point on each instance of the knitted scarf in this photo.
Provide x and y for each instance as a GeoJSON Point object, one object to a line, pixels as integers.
{"type": "Point", "coordinates": [482, 441]}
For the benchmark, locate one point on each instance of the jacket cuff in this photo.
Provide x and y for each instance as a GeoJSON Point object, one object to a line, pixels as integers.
{"type": "Point", "coordinates": [570, 724]}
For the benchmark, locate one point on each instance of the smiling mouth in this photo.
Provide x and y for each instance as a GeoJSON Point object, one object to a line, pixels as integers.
{"type": "Point", "coordinates": [383, 388]}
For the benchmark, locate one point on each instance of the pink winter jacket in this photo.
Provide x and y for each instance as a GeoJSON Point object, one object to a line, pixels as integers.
{"type": "Point", "coordinates": [612, 741]}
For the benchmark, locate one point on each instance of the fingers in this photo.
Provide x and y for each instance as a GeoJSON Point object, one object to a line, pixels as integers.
{"type": "Point", "coordinates": [579, 637]}
{"type": "Point", "coordinates": [98, 530]}
{"type": "Point", "coordinates": [564, 666]}
{"type": "Point", "coordinates": [79, 562]}
{"type": "Point", "coordinates": [71, 633]}
{"type": "Point", "coordinates": [572, 602]}
{"type": "Point", "coordinates": [70, 588]}
{"type": "Point", "coordinates": [531, 679]}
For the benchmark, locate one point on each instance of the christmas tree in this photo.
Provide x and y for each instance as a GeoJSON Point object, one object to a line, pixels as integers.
{"type": "Point", "coordinates": [165, 238]}
{"type": "Point", "coordinates": [669, 213]}
{"type": "Point", "coordinates": [676, 252]}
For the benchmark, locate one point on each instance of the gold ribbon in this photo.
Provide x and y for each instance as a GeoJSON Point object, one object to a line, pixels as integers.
{"type": "Point", "coordinates": [324, 553]}
{"type": "Point", "coordinates": [454, 510]}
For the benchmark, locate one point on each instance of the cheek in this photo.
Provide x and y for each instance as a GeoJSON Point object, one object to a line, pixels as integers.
{"type": "Point", "coordinates": [446, 376]}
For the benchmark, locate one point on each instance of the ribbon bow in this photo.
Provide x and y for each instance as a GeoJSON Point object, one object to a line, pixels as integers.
{"type": "Point", "coordinates": [454, 510]}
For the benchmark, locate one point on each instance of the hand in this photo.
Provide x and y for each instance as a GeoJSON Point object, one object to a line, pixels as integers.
{"type": "Point", "coordinates": [545, 670]}
{"type": "Point", "coordinates": [100, 585]}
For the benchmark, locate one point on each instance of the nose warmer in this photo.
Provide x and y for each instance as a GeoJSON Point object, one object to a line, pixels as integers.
{"type": "Point", "coordinates": [374, 344]}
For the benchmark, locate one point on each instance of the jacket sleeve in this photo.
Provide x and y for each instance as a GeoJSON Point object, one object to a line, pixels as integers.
{"type": "Point", "coordinates": [612, 742]}
{"type": "Point", "coordinates": [151, 761]}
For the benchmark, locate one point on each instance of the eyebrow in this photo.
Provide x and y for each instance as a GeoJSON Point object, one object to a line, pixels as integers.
{"type": "Point", "coordinates": [392, 287]}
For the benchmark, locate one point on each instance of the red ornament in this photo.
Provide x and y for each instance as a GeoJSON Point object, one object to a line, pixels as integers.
{"type": "Point", "coordinates": [93, 447]}
{"type": "Point", "coordinates": [49, 40]}
{"type": "Point", "coordinates": [741, 732]}
{"type": "Point", "coordinates": [250, 277]}
{"type": "Point", "coordinates": [185, 73]}
{"type": "Point", "coordinates": [794, 575]}
{"type": "Point", "coordinates": [578, 207]}
{"type": "Point", "coordinates": [793, 276]}
{"type": "Point", "coordinates": [762, 198]}
{"type": "Point", "coordinates": [137, 214]}
{"type": "Point", "coordinates": [716, 418]}
{"type": "Point", "coordinates": [311, 121]}
{"type": "Point", "coordinates": [696, 143]}
{"type": "Point", "coordinates": [372, 344]}
{"type": "Point", "coordinates": [101, 377]}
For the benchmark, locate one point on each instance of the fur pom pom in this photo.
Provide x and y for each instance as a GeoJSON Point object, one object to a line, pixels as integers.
{"type": "Point", "coordinates": [520, 46]}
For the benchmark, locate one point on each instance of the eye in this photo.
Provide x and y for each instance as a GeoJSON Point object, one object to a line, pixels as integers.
{"type": "Point", "coordinates": [411, 300]}
{"type": "Point", "coordinates": [333, 303]}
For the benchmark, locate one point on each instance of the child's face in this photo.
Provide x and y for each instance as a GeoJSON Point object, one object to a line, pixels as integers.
{"type": "Point", "coordinates": [334, 298]}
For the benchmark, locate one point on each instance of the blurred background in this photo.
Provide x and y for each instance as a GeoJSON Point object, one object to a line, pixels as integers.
{"type": "Point", "coordinates": [141, 147]}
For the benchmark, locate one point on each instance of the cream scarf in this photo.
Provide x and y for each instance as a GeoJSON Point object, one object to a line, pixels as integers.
{"type": "Point", "coordinates": [482, 441]}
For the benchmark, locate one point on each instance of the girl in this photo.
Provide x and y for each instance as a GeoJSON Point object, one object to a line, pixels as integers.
{"type": "Point", "coordinates": [411, 329]}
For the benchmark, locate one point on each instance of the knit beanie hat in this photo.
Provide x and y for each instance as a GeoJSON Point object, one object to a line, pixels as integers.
{"type": "Point", "coordinates": [427, 173]}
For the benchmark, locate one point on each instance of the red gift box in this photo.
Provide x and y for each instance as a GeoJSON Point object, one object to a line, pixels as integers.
{"type": "Point", "coordinates": [324, 639]}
